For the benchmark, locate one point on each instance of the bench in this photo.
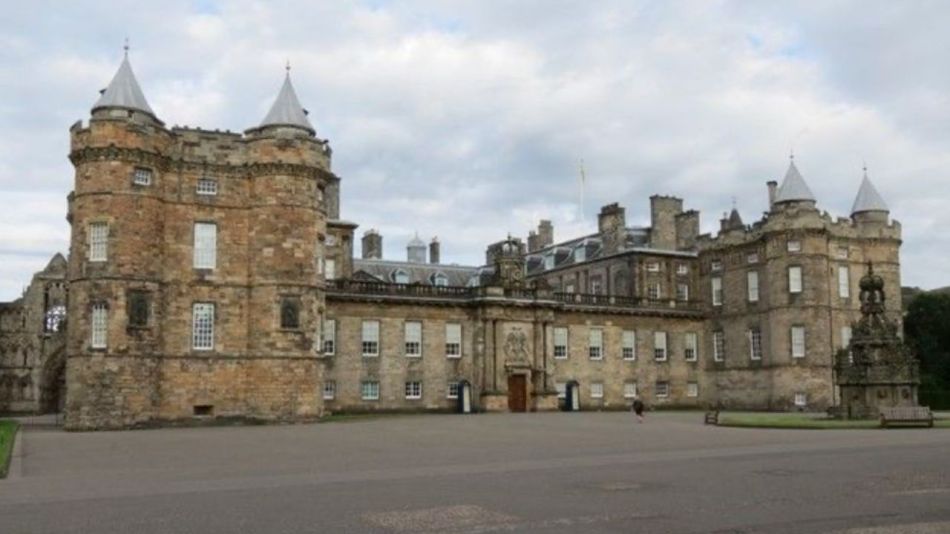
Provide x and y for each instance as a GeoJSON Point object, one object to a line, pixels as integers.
{"type": "Point", "coordinates": [712, 417]}
{"type": "Point", "coordinates": [918, 415]}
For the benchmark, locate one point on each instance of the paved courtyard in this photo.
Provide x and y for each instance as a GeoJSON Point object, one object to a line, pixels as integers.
{"type": "Point", "coordinates": [558, 472]}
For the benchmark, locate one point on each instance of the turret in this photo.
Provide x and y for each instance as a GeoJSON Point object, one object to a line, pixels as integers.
{"type": "Point", "coordinates": [868, 205]}
{"type": "Point", "coordinates": [794, 192]}
{"type": "Point", "coordinates": [416, 250]}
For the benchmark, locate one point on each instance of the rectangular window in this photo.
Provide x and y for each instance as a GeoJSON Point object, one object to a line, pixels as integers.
{"type": "Point", "coordinates": [682, 292]}
{"type": "Point", "coordinates": [795, 279]}
{"type": "Point", "coordinates": [798, 341]}
{"type": "Point", "coordinates": [413, 330]}
{"type": "Point", "coordinates": [752, 258]}
{"type": "Point", "coordinates": [141, 176]}
{"type": "Point", "coordinates": [659, 346]}
{"type": "Point", "coordinates": [453, 392]}
{"type": "Point", "coordinates": [549, 261]}
{"type": "Point", "coordinates": [560, 342]}
{"type": "Point", "coordinates": [654, 291]}
{"type": "Point", "coordinates": [752, 284]}
{"type": "Point", "coordinates": [662, 390]}
{"type": "Point", "coordinates": [206, 186]}
{"type": "Point", "coordinates": [719, 346]}
{"type": "Point", "coordinates": [692, 389]}
{"type": "Point", "coordinates": [202, 326]}
{"type": "Point", "coordinates": [329, 269]}
{"type": "Point", "coordinates": [690, 346]}
{"type": "Point", "coordinates": [597, 390]}
{"type": "Point", "coordinates": [369, 390]}
{"type": "Point", "coordinates": [100, 325]}
{"type": "Point", "coordinates": [569, 288]}
{"type": "Point", "coordinates": [580, 253]}
{"type": "Point", "coordinates": [98, 241]}
{"type": "Point", "coordinates": [844, 282]}
{"type": "Point", "coordinates": [453, 340]}
{"type": "Point", "coordinates": [794, 246]}
{"type": "Point", "coordinates": [755, 344]}
{"type": "Point", "coordinates": [842, 252]}
{"type": "Point", "coordinates": [846, 341]}
{"type": "Point", "coordinates": [801, 400]}
{"type": "Point", "coordinates": [329, 390]}
{"type": "Point", "coordinates": [561, 388]}
{"type": "Point", "coordinates": [329, 337]}
{"type": "Point", "coordinates": [716, 284]}
{"type": "Point", "coordinates": [596, 344]}
{"type": "Point", "coordinates": [715, 265]}
{"type": "Point", "coordinates": [629, 390]}
{"type": "Point", "coordinates": [596, 286]}
{"type": "Point", "coordinates": [682, 269]}
{"type": "Point", "coordinates": [370, 338]}
{"type": "Point", "coordinates": [629, 345]}
{"type": "Point", "coordinates": [653, 267]}
{"type": "Point", "coordinates": [414, 390]}
{"type": "Point", "coordinates": [206, 245]}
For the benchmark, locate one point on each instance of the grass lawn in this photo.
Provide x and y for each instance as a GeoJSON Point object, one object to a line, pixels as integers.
{"type": "Point", "coordinates": [804, 420]}
{"type": "Point", "coordinates": [7, 432]}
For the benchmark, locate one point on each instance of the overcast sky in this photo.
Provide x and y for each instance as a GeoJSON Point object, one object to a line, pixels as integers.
{"type": "Point", "coordinates": [467, 120]}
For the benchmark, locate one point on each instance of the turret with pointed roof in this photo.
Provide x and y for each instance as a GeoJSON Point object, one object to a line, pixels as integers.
{"type": "Point", "coordinates": [793, 188]}
{"type": "Point", "coordinates": [286, 110]}
{"type": "Point", "coordinates": [123, 92]}
{"type": "Point", "coordinates": [868, 198]}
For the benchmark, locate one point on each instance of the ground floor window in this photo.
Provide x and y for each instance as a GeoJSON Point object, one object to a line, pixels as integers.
{"type": "Point", "coordinates": [453, 390]}
{"type": "Point", "coordinates": [597, 390]}
{"type": "Point", "coordinates": [692, 389]}
{"type": "Point", "coordinates": [329, 390]}
{"type": "Point", "coordinates": [370, 390]}
{"type": "Point", "coordinates": [630, 390]}
{"type": "Point", "coordinates": [414, 390]}
{"type": "Point", "coordinates": [561, 388]}
{"type": "Point", "coordinates": [662, 390]}
{"type": "Point", "coordinates": [801, 399]}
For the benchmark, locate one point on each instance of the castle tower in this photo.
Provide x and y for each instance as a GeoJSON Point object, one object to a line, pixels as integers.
{"type": "Point", "coordinates": [868, 205]}
{"type": "Point", "coordinates": [794, 192]}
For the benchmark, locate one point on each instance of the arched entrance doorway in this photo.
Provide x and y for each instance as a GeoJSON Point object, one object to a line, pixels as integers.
{"type": "Point", "coordinates": [517, 393]}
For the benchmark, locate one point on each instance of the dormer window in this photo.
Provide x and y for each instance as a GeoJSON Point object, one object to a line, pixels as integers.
{"type": "Point", "coordinates": [400, 276]}
{"type": "Point", "coordinates": [440, 279]}
{"type": "Point", "coordinates": [580, 253]}
{"type": "Point", "coordinates": [206, 186]}
{"type": "Point", "coordinates": [549, 261]}
{"type": "Point", "coordinates": [142, 176]}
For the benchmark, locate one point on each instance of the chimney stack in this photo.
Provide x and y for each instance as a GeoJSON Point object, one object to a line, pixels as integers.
{"type": "Point", "coordinates": [372, 245]}
{"type": "Point", "coordinates": [773, 186]}
{"type": "Point", "coordinates": [434, 256]}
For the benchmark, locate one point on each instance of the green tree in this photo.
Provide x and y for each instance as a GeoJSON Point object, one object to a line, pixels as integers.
{"type": "Point", "coordinates": [927, 331]}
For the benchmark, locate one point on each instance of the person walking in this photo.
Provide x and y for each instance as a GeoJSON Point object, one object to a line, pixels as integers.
{"type": "Point", "coordinates": [638, 408]}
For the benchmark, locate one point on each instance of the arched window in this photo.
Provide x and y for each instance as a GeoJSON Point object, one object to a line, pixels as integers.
{"type": "Point", "coordinates": [400, 276]}
{"type": "Point", "coordinates": [440, 279]}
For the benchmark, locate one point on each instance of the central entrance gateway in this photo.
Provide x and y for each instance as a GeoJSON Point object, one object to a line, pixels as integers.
{"type": "Point", "coordinates": [517, 393]}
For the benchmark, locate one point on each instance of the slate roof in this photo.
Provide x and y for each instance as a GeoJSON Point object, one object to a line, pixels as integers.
{"type": "Point", "coordinates": [419, 273]}
{"type": "Point", "coordinates": [868, 198]}
{"type": "Point", "coordinates": [793, 187]}
{"type": "Point", "coordinates": [564, 253]}
{"type": "Point", "coordinates": [287, 110]}
{"type": "Point", "coordinates": [124, 91]}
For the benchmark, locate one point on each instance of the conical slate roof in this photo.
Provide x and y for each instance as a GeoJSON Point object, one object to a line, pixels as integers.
{"type": "Point", "coordinates": [416, 242]}
{"type": "Point", "coordinates": [793, 187]}
{"type": "Point", "coordinates": [287, 110]}
{"type": "Point", "coordinates": [868, 198]}
{"type": "Point", "coordinates": [123, 91]}
{"type": "Point", "coordinates": [735, 220]}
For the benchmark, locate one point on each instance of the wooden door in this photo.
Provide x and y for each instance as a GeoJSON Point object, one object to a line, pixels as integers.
{"type": "Point", "coordinates": [517, 393]}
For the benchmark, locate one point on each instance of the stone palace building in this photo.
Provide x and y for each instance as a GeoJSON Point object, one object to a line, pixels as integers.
{"type": "Point", "coordinates": [210, 276]}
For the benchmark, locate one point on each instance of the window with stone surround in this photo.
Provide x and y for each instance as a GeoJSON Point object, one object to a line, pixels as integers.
{"type": "Point", "coordinates": [370, 338]}
{"type": "Point", "coordinates": [206, 186]}
{"type": "Point", "coordinates": [202, 326]}
{"type": "Point", "coordinates": [653, 266]}
{"type": "Point", "coordinates": [560, 342]}
{"type": "Point", "coordinates": [690, 346]}
{"type": "Point", "coordinates": [400, 276]}
{"type": "Point", "coordinates": [629, 345]}
{"type": "Point", "coordinates": [682, 269]}
{"type": "Point", "coordinates": [844, 282]}
{"type": "Point", "coordinates": [329, 337]}
{"type": "Point", "coordinates": [329, 269]}
{"type": "Point", "coordinates": [798, 341]}
{"type": "Point", "coordinates": [597, 390]}
{"type": "Point", "coordinates": [595, 344]}
{"type": "Point", "coordinates": [329, 390]}
{"type": "Point", "coordinates": [142, 176]}
{"type": "Point", "coordinates": [369, 390]}
{"type": "Point", "coordinates": [692, 389]}
{"type": "Point", "coordinates": [561, 388]}
{"type": "Point", "coordinates": [755, 343]}
{"type": "Point", "coordinates": [719, 346]}
{"type": "Point", "coordinates": [752, 285]}
{"type": "Point", "coordinates": [662, 390]}
{"type": "Point", "coordinates": [453, 392]}
{"type": "Point", "coordinates": [659, 346]}
{"type": "Point", "coordinates": [413, 390]}
{"type": "Point", "coordinates": [716, 287]}
{"type": "Point", "coordinates": [440, 279]}
{"type": "Point", "coordinates": [98, 241]}
{"type": "Point", "coordinates": [795, 279]}
{"type": "Point", "coordinates": [99, 323]}
{"type": "Point", "coordinates": [290, 313]}
{"type": "Point", "coordinates": [846, 341]}
{"type": "Point", "coordinates": [206, 245]}
{"type": "Point", "coordinates": [682, 292]}
{"type": "Point", "coordinates": [794, 245]}
{"type": "Point", "coordinates": [715, 265]}
{"type": "Point", "coordinates": [137, 308]}
{"type": "Point", "coordinates": [654, 291]}
{"type": "Point", "coordinates": [801, 400]}
{"type": "Point", "coordinates": [629, 390]}
{"type": "Point", "coordinates": [453, 340]}
{"type": "Point", "coordinates": [413, 333]}
{"type": "Point", "coordinates": [752, 257]}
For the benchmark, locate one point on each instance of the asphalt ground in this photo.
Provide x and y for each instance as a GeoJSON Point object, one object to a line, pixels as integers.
{"type": "Point", "coordinates": [551, 472]}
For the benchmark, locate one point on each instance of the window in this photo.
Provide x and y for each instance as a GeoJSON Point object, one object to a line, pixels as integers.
{"type": "Point", "coordinates": [846, 342]}
{"type": "Point", "coordinates": [596, 344]}
{"type": "Point", "coordinates": [290, 313]}
{"type": "Point", "coordinates": [654, 291]}
{"type": "Point", "coordinates": [202, 326]}
{"type": "Point", "coordinates": [659, 346]}
{"type": "Point", "coordinates": [715, 265]}
{"type": "Point", "coordinates": [413, 331]}
{"type": "Point", "coordinates": [795, 279]}
{"type": "Point", "coordinates": [54, 320]}
{"type": "Point", "coordinates": [752, 284]}
{"type": "Point", "coordinates": [629, 390]}
{"type": "Point", "coordinates": [329, 390]}
{"type": "Point", "coordinates": [597, 390]}
{"type": "Point", "coordinates": [798, 341]}
{"type": "Point", "coordinates": [794, 246]}
{"type": "Point", "coordinates": [369, 390]}
{"type": "Point", "coordinates": [98, 241]}
{"type": "Point", "coordinates": [560, 342]}
{"type": "Point", "coordinates": [752, 258]}
{"type": "Point", "coordinates": [653, 267]}
{"type": "Point", "coordinates": [206, 186]}
{"type": "Point", "coordinates": [844, 282]}
{"type": "Point", "coordinates": [453, 392]}
{"type": "Point", "coordinates": [755, 344]}
{"type": "Point", "coordinates": [561, 388]}
{"type": "Point", "coordinates": [329, 337]}
{"type": "Point", "coordinates": [141, 176]}
{"type": "Point", "coordinates": [692, 389]}
{"type": "Point", "coordinates": [549, 261]}
{"type": "Point", "coordinates": [690, 346]}
{"type": "Point", "coordinates": [682, 292]}
{"type": "Point", "coordinates": [414, 390]}
{"type": "Point", "coordinates": [629, 344]}
{"type": "Point", "coordinates": [329, 269]}
{"type": "Point", "coordinates": [370, 338]}
{"type": "Point", "coordinates": [569, 288]}
{"type": "Point", "coordinates": [440, 279]}
{"type": "Point", "coordinates": [842, 252]}
{"type": "Point", "coordinates": [662, 390]}
{"type": "Point", "coordinates": [100, 325]}
{"type": "Point", "coordinates": [719, 346]}
{"type": "Point", "coordinates": [596, 286]}
{"type": "Point", "coordinates": [401, 277]}
{"type": "Point", "coordinates": [206, 244]}
{"type": "Point", "coordinates": [716, 284]}
{"type": "Point", "coordinates": [580, 253]}
{"type": "Point", "coordinates": [801, 400]}
{"type": "Point", "coordinates": [138, 308]}
{"type": "Point", "coordinates": [682, 269]}
{"type": "Point", "coordinates": [453, 340]}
